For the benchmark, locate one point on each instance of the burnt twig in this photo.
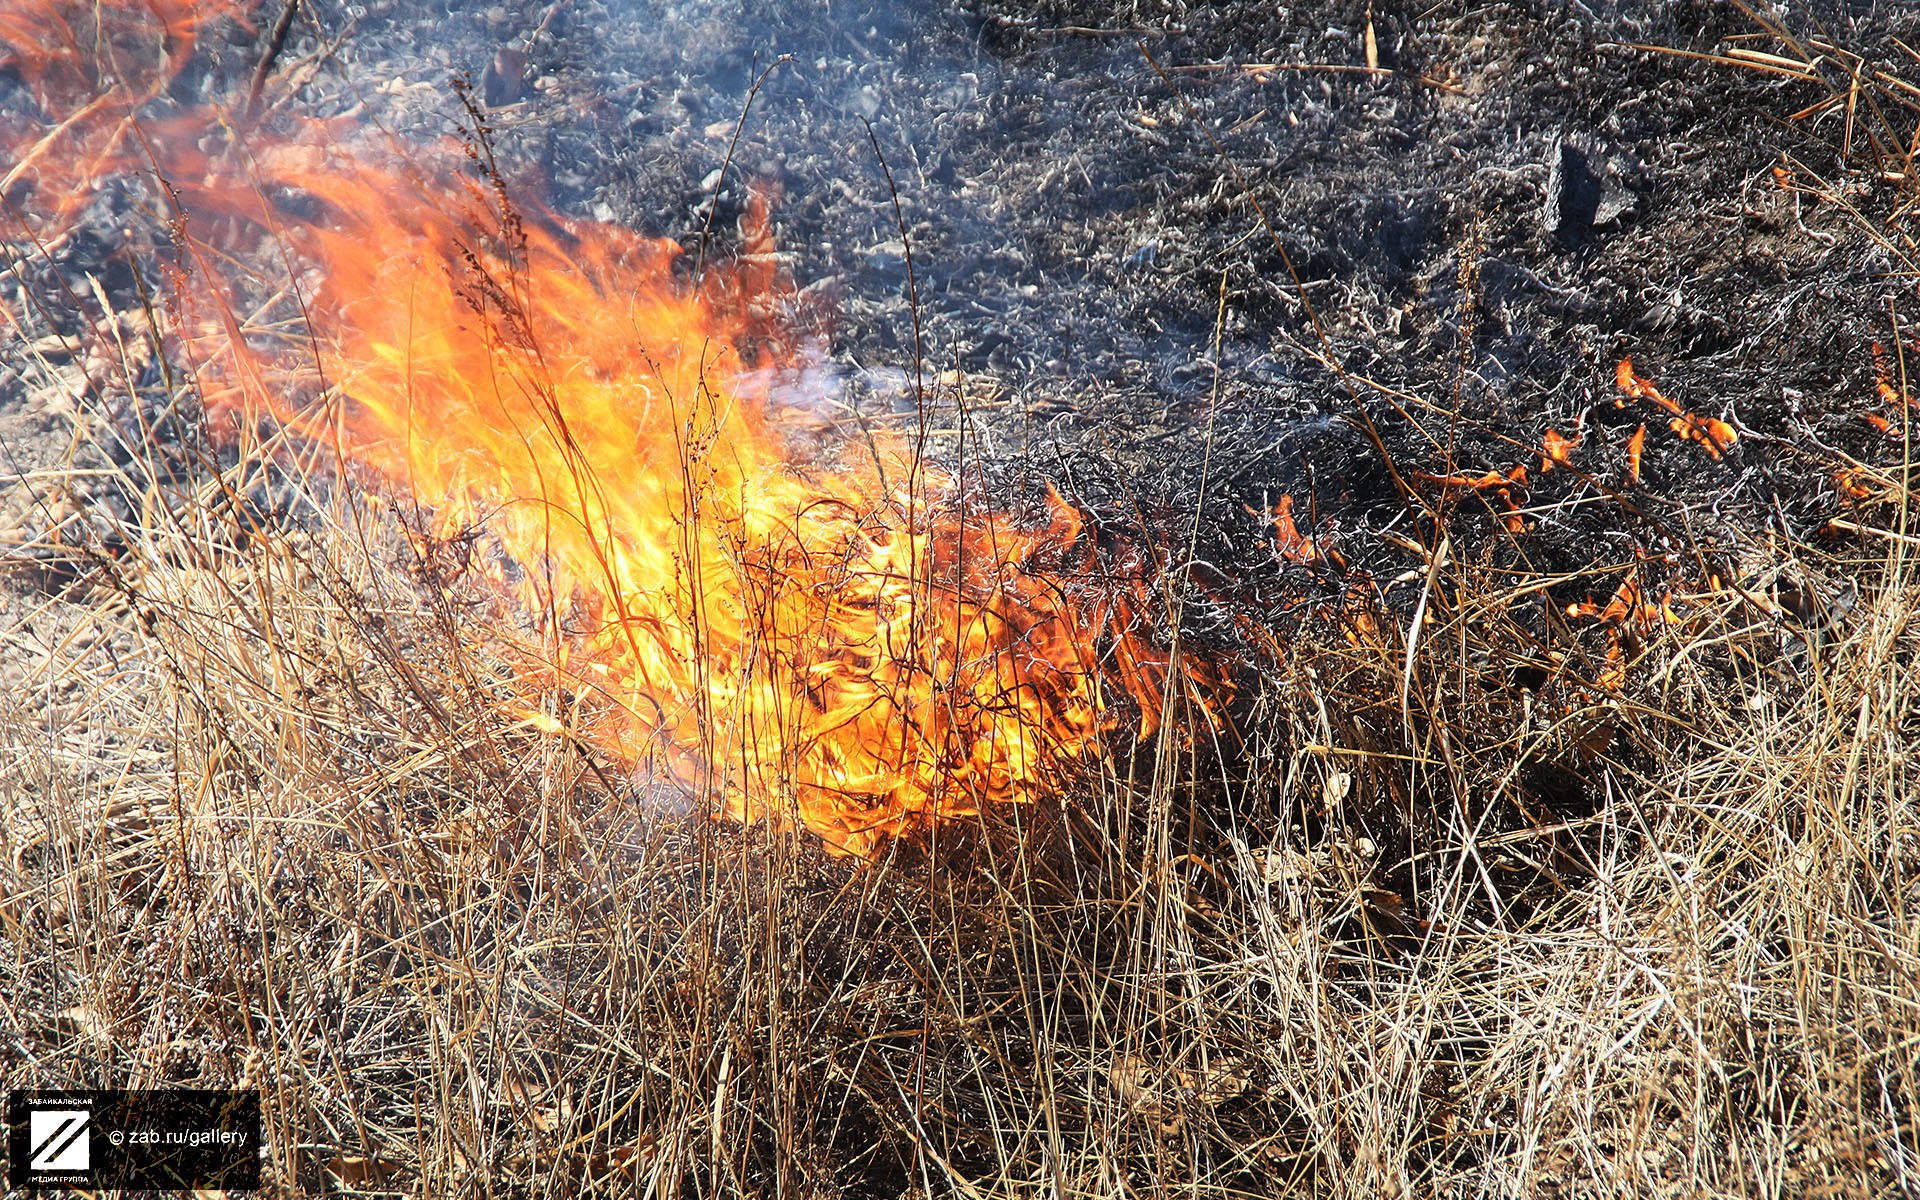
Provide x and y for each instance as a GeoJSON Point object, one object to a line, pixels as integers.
{"type": "Point", "coordinates": [276, 41]}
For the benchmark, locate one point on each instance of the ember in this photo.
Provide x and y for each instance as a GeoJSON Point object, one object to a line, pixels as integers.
{"type": "Point", "coordinates": [1714, 435]}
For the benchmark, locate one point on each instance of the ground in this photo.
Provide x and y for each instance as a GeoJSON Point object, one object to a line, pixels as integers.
{"type": "Point", "coordinates": [1558, 837]}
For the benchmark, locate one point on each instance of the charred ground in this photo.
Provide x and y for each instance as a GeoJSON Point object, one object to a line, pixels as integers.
{"type": "Point", "coordinates": [1155, 240]}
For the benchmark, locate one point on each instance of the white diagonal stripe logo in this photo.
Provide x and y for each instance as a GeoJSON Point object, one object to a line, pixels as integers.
{"type": "Point", "coordinates": [60, 1139]}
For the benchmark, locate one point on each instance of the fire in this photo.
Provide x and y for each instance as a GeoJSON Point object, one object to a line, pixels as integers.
{"type": "Point", "coordinates": [784, 625]}
{"type": "Point", "coordinates": [1636, 446]}
{"type": "Point", "coordinates": [1500, 486]}
{"type": "Point", "coordinates": [1883, 372]}
{"type": "Point", "coordinates": [1894, 398]}
{"type": "Point", "coordinates": [90, 68]}
{"type": "Point", "coordinates": [1714, 435]}
{"type": "Point", "coordinates": [1288, 542]}
{"type": "Point", "coordinates": [837, 635]}
{"type": "Point", "coordinates": [67, 52]}
{"type": "Point", "coordinates": [1556, 449]}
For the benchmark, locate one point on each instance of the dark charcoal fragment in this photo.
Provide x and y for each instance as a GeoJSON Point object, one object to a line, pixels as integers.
{"type": "Point", "coordinates": [1583, 195]}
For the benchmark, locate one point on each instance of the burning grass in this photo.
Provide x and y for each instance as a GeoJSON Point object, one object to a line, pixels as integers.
{"type": "Point", "coordinates": [782, 627]}
{"type": "Point", "coordinates": [270, 826]}
{"type": "Point", "coordinates": [338, 767]}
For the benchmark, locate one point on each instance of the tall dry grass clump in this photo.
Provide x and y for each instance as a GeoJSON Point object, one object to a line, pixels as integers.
{"type": "Point", "coordinates": [1727, 1006]}
{"type": "Point", "coordinates": [271, 823]}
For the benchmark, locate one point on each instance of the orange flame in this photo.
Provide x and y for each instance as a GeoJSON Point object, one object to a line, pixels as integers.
{"type": "Point", "coordinates": [1629, 611]}
{"type": "Point", "coordinates": [833, 635]}
{"type": "Point", "coordinates": [1895, 398]}
{"type": "Point", "coordinates": [90, 68]}
{"type": "Point", "coordinates": [784, 626]}
{"type": "Point", "coordinates": [1636, 446]}
{"type": "Point", "coordinates": [1883, 372]}
{"type": "Point", "coordinates": [1490, 482]}
{"type": "Point", "coordinates": [1288, 542]}
{"type": "Point", "coordinates": [1556, 449]}
{"type": "Point", "coordinates": [1714, 435]}
{"type": "Point", "coordinates": [68, 52]}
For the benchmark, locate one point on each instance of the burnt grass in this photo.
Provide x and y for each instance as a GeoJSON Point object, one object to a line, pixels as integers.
{"type": "Point", "coordinates": [1101, 247]}
{"type": "Point", "coordinates": [1204, 288]}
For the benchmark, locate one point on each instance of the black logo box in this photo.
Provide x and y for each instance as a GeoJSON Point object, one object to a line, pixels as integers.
{"type": "Point", "coordinates": [143, 1140]}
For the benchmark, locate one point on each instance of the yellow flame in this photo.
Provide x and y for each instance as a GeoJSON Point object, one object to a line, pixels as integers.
{"type": "Point", "coordinates": [788, 626]}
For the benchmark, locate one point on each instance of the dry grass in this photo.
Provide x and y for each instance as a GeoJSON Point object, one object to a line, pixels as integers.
{"type": "Point", "coordinates": [267, 825]}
